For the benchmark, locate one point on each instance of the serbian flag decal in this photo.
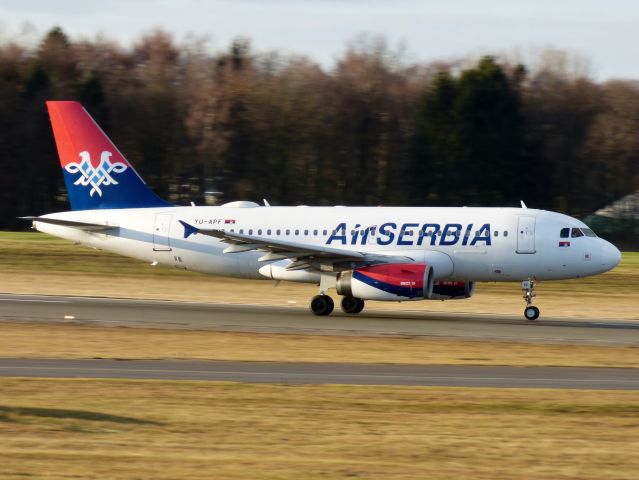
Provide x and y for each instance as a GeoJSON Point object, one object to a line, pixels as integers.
{"type": "Point", "coordinates": [229, 220]}
{"type": "Point", "coordinates": [564, 244]}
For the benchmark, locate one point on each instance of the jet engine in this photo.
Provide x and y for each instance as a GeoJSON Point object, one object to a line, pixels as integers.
{"type": "Point", "coordinates": [450, 290]}
{"type": "Point", "coordinates": [390, 282]}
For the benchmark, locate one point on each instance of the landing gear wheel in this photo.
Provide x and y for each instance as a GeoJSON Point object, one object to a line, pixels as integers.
{"type": "Point", "coordinates": [352, 305]}
{"type": "Point", "coordinates": [528, 289]}
{"type": "Point", "coordinates": [322, 305]}
{"type": "Point", "coordinates": [531, 313]}
{"type": "Point", "coordinates": [360, 305]}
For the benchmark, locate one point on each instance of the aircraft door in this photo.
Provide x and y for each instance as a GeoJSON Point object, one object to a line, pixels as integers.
{"type": "Point", "coordinates": [526, 234]}
{"type": "Point", "coordinates": [161, 228]}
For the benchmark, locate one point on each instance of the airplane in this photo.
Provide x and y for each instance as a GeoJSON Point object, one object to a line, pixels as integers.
{"type": "Point", "coordinates": [364, 253]}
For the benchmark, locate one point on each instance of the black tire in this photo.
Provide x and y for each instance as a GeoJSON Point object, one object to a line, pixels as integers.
{"type": "Point", "coordinates": [531, 313]}
{"type": "Point", "coordinates": [322, 305]}
{"type": "Point", "coordinates": [350, 305]}
{"type": "Point", "coordinates": [360, 305]}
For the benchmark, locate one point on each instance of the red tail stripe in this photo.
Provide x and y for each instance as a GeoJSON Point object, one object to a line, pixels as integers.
{"type": "Point", "coordinates": [75, 132]}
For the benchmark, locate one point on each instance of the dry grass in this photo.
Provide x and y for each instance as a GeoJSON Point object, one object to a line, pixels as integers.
{"type": "Point", "coordinates": [34, 263]}
{"type": "Point", "coordinates": [71, 341]}
{"type": "Point", "coordinates": [89, 429]}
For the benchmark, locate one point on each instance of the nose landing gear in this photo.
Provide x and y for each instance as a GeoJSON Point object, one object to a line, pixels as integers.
{"type": "Point", "coordinates": [528, 288]}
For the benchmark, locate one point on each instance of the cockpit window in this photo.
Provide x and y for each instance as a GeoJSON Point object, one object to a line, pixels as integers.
{"type": "Point", "coordinates": [576, 232]}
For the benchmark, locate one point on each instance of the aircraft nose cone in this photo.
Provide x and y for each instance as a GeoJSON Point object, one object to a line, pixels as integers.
{"type": "Point", "coordinates": [610, 256]}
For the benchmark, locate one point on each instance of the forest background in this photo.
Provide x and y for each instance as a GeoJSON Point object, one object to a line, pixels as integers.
{"type": "Point", "coordinates": [374, 129]}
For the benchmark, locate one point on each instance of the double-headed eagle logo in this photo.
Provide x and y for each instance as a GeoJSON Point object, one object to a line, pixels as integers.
{"type": "Point", "coordinates": [96, 177]}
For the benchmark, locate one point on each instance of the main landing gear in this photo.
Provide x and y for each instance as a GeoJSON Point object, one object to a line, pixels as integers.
{"type": "Point", "coordinates": [352, 305]}
{"type": "Point", "coordinates": [323, 305]}
{"type": "Point", "coordinates": [528, 288]}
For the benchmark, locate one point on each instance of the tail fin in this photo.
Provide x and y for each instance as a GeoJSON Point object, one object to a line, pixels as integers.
{"type": "Point", "coordinates": [96, 174]}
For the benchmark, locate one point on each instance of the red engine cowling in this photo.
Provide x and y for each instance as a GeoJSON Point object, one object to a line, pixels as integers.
{"type": "Point", "coordinates": [390, 282]}
{"type": "Point", "coordinates": [450, 290]}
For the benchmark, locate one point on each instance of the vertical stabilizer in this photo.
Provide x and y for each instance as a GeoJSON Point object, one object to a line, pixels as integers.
{"type": "Point", "coordinates": [95, 172]}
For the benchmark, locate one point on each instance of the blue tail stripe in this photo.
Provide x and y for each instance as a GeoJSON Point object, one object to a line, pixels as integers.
{"type": "Point", "coordinates": [126, 191]}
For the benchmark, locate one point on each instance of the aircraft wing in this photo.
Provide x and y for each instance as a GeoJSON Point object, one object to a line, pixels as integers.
{"type": "Point", "coordinates": [303, 256]}
{"type": "Point", "coordinates": [87, 227]}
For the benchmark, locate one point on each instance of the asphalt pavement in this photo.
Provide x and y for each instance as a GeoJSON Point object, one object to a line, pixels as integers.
{"type": "Point", "coordinates": [271, 319]}
{"type": "Point", "coordinates": [328, 373]}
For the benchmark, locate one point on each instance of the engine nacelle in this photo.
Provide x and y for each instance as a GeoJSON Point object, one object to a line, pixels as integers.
{"type": "Point", "coordinates": [449, 290]}
{"type": "Point", "coordinates": [389, 282]}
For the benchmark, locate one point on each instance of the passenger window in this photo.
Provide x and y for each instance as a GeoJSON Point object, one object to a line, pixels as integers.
{"type": "Point", "coordinates": [288, 232]}
{"type": "Point", "coordinates": [505, 233]}
{"type": "Point", "coordinates": [496, 233]}
{"type": "Point", "coordinates": [315, 232]}
{"type": "Point", "coordinates": [278, 232]}
{"type": "Point", "coordinates": [250, 231]}
{"type": "Point", "coordinates": [565, 233]}
{"type": "Point", "coordinates": [259, 232]}
{"type": "Point", "coordinates": [268, 232]}
{"type": "Point", "coordinates": [325, 232]}
{"type": "Point", "coordinates": [297, 232]}
{"type": "Point", "coordinates": [576, 233]}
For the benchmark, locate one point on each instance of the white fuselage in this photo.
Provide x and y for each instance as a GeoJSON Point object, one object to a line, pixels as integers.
{"type": "Point", "coordinates": [480, 244]}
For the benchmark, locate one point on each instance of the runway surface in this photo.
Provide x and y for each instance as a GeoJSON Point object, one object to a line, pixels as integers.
{"type": "Point", "coordinates": [329, 373]}
{"type": "Point", "coordinates": [269, 319]}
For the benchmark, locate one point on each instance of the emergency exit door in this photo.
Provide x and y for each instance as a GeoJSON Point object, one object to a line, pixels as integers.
{"type": "Point", "coordinates": [161, 229]}
{"type": "Point", "coordinates": [526, 235]}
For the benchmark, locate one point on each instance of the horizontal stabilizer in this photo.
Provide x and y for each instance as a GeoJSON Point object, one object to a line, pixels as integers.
{"type": "Point", "coordinates": [86, 226]}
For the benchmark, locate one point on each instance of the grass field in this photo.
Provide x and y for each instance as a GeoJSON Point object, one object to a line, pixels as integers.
{"type": "Point", "coordinates": [74, 341]}
{"type": "Point", "coordinates": [54, 429]}
{"type": "Point", "coordinates": [37, 263]}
